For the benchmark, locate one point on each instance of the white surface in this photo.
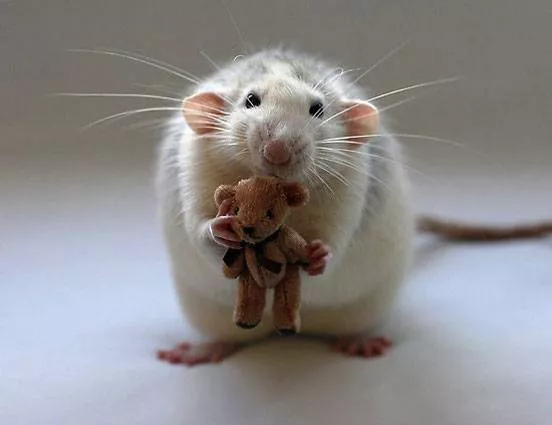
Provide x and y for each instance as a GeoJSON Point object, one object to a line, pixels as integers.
{"type": "Point", "coordinates": [85, 293]}
{"type": "Point", "coordinates": [83, 312]}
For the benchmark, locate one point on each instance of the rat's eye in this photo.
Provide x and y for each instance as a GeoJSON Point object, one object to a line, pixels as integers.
{"type": "Point", "coordinates": [269, 214]}
{"type": "Point", "coordinates": [236, 210]}
{"type": "Point", "coordinates": [316, 109]}
{"type": "Point", "coordinates": [252, 100]}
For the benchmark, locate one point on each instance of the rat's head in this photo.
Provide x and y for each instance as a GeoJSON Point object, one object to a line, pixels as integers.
{"type": "Point", "coordinates": [261, 205]}
{"type": "Point", "coordinates": [277, 112]}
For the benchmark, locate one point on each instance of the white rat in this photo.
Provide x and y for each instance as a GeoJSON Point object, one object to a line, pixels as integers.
{"type": "Point", "coordinates": [286, 114]}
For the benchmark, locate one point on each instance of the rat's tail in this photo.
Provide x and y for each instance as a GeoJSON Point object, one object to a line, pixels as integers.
{"type": "Point", "coordinates": [458, 231]}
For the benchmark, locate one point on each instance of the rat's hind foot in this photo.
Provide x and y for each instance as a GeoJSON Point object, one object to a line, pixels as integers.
{"type": "Point", "coordinates": [194, 354]}
{"type": "Point", "coordinates": [361, 346]}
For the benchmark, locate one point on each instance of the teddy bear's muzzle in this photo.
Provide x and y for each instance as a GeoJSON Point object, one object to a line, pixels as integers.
{"type": "Point", "coordinates": [250, 234]}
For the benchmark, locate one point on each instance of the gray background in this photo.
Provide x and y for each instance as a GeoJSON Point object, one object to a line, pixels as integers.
{"type": "Point", "coordinates": [86, 294]}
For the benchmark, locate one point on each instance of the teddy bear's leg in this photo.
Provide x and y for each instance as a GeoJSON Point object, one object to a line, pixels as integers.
{"type": "Point", "coordinates": [250, 302]}
{"type": "Point", "coordinates": [287, 300]}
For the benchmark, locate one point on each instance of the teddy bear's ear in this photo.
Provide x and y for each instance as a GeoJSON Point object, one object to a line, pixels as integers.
{"type": "Point", "coordinates": [224, 192]}
{"type": "Point", "coordinates": [297, 194]}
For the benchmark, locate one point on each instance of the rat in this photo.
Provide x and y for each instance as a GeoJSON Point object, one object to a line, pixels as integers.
{"type": "Point", "coordinates": [282, 113]}
{"type": "Point", "coordinates": [286, 114]}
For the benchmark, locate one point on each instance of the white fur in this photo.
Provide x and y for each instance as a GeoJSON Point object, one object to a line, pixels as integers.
{"type": "Point", "coordinates": [370, 243]}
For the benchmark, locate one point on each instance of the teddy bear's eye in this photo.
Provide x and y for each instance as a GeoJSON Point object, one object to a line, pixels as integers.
{"type": "Point", "coordinates": [236, 210]}
{"type": "Point", "coordinates": [270, 214]}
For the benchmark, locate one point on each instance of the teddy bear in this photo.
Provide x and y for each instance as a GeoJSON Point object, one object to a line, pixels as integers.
{"type": "Point", "coordinates": [270, 253]}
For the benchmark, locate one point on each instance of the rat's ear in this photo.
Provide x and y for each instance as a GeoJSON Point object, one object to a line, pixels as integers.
{"type": "Point", "coordinates": [224, 192]}
{"type": "Point", "coordinates": [361, 121]}
{"type": "Point", "coordinates": [297, 194]}
{"type": "Point", "coordinates": [203, 111]}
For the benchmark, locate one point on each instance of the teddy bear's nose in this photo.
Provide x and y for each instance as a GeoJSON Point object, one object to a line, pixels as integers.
{"type": "Point", "coordinates": [248, 230]}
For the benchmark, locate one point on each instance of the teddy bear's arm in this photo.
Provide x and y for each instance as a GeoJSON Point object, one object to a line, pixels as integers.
{"type": "Point", "coordinates": [293, 245]}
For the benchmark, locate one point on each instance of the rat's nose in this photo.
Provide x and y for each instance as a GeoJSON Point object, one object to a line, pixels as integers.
{"type": "Point", "coordinates": [277, 152]}
{"type": "Point", "coordinates": [248, 230]}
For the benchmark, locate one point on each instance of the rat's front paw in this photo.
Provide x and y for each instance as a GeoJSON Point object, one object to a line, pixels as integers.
{"type": "Point", "coordinates": [318, 256]}
{"type": "Point", "coordinates": [221, 228]}
{"type": "Point", "coordinates": [221, 231]}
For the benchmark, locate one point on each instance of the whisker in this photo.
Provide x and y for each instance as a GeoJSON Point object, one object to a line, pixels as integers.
{"type": "Point", "coordinates": [137, 95]}
{"type": "Point", "coordinates": [332, 172]}
{"type": "Point", "coordinates": [126, 114]}
{"type": "Point", "coordinates": [217, 136]}
{"type": "Point", "coordinates": [369, 175]}
{"type": "Point", "coordinates": [337, 114]}
{"type": "Point", "coordinates": [386, 108]}
{"type": "Point", "coordinates": [214, 129]}
{"type": "Point", "coordinates": [350, 139]}
{"type": "Point", "coordinates": [215, 122]}
{"type": "Point", "coordinates": [210, 60]}
{"type": "Point", "coordinates": [397, 91]}
{"type": "Point", "coordinates": [219, 117]}
{"type": "Point", "coordinates": [236, 26]}
{"type": "Point", "coordinates": [312, 178]}
{"type": "Point", "coordinates": [395, 105]}
{"type": "Point", "coordinates": [352, 152]}
{"type": "Point", "coordinates": [339, 75]}
{"type": "Point", "coordinates": [376, 64]}
{"type": "Point", "coordinates": [340, 72]}
{"type": "Point", "coordinates": [356, 153]}
{"type": "Point", "coordinates": [171, 69]}
{"type": "Point", "coordinates": [326, 156]}
{"type": "Point", "coordinates": [381, 60]}
{"type": "Point", "coordinates": [344, 158]}
{"type": "Point", "coordinates": [325, 184]}
{"type": "Point", "coordinates": [211, 108]}
{"type": "Point", "coordinates": [160, 88]}
{"type": "Point", "coordinates": [155, 123]}
{"type": "Point", "coordinates": [414, 86]}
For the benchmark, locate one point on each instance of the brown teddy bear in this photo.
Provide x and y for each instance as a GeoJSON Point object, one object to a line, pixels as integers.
{"type": "Point", "coordinates": [271, 252]}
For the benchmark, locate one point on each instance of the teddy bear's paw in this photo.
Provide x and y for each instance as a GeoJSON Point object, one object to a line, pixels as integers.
{"type": "Point", "coordinates": [195, 354]}
{"type": "Point", "coordinates": [246, 325]}
{"type": "Point", "coordinates": [285, 325]}
{"type": "Point", "coordinates": [287, 331]}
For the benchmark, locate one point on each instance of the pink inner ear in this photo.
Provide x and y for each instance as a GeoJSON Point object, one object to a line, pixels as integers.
{"type": "Point", "coordinates": [361, 121]}
{"type": "Point", "coordinates": [202, 112]}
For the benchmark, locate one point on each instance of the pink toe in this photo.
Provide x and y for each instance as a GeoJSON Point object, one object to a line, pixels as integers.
{"type": "Point", "coordinates": [194, 354]}
{"type": "Point", "coordinates": [362, 346]}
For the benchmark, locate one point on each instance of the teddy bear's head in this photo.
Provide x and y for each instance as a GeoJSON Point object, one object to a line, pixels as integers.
{"type": "Point", "coordinates": [261, 205]}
